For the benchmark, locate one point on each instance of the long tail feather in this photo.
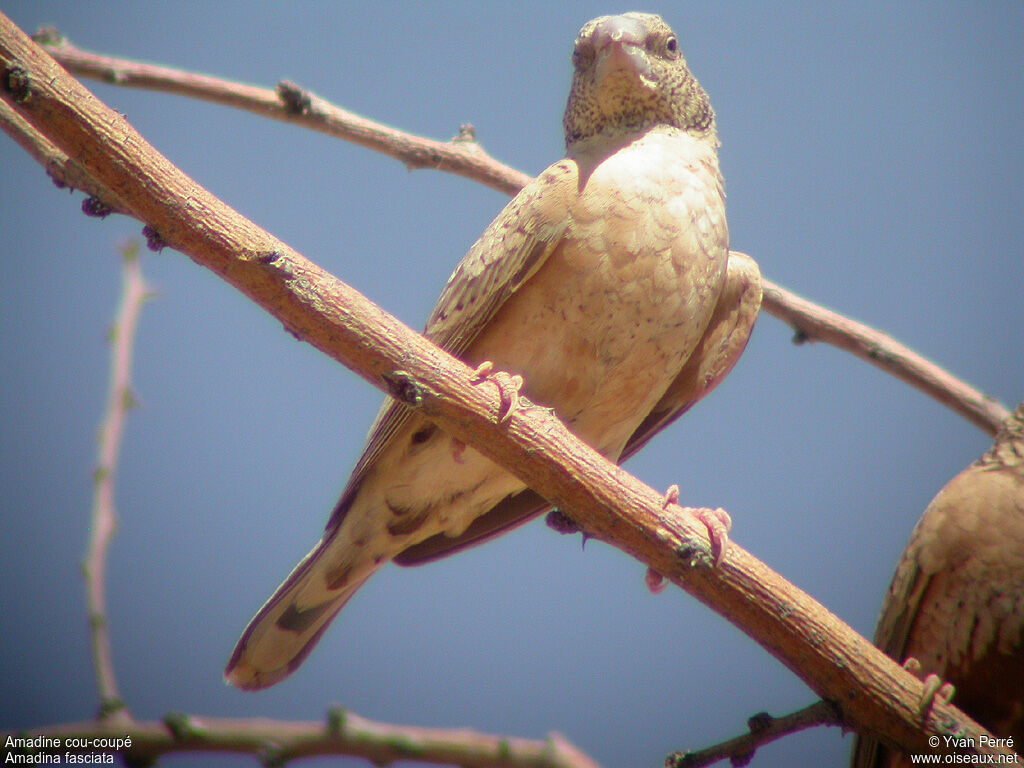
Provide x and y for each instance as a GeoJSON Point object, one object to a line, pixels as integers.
{"type": "Point", "coordinates": [290, 624]}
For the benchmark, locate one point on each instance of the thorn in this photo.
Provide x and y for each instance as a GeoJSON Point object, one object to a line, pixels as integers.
{"type": "Point", "coordinates": [96, 208]}
{"type": "Point", "coordinates": [16, 82]}
{"type": "Point", "coordinates": [759, 722]}
{"type": "Point", "coordinates": [296, 100]}
{"type": "Point", "coordinates": [336, 717]}
{"type": "Point", "coordinates": [403, 387]}
{"type": "Point", "coordinates": [467, 133]}
{"type": "Point", "coordinates": [154, 242]}
{"type": "Point", "coordinates": [558, 521]}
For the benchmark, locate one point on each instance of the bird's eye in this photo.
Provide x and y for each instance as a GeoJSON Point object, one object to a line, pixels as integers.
{"type": "Point", "coordinates": [672, 45]}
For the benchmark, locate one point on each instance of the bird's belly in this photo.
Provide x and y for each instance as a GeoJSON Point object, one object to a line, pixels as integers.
{"type": "Point", "coordinates": [599, 339]}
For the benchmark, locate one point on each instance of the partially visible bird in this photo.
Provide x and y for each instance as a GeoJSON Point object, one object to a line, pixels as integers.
{"type": "Point", "coordinates": [606, 284]}
{"type": "Point", "coordinates": [956, 603]}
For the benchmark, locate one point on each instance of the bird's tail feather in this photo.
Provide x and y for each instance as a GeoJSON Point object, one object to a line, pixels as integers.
{"type": "Point", "coordinates": [290, 623]}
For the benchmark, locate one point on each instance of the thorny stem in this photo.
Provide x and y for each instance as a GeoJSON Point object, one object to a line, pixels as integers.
{"type": "Point", "coordinates": [764, 729]}
{"type": "Point", "coordinates": [104, 516]}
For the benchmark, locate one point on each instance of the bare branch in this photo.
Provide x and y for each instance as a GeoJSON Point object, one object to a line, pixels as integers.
{"type": "Point", "coordinates": [466, 158]}
{"type": "Point", "coordinates": [764, 729]}
{"type": "Point", "coordinates": [104, 516]}
{"type": "Point", "coordinates": [291, 104]}
{"type": "Point", "coordinates": [276, 743]}
{"type": "Point", "coordinates": [875, 693]}
{"type": "Point", "coordinates": [815, 323]}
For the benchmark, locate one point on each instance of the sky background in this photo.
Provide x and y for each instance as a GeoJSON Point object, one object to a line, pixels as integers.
{"type": "Point", "coordinates": [872, 154]}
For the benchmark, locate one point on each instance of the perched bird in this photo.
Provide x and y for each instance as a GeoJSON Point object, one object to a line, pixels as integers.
{"type": "Point", "coordinates": [956, 603]}
{"type": "Point", "coordinates": [606, 284]}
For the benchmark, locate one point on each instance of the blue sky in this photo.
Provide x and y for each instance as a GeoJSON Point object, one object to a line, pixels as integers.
{"type": "Point", "coordinates": [872, 154]}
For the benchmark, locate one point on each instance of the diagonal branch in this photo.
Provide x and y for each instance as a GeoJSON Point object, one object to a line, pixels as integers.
{"type": "Point", "coordinates": [875, 693]}
{"type": "Point", "coordinates": [813, 322]}
{"type": "Point", "coordinates": [291, 104]}
{"type": "Point", "coordinates": [465, 157]}
{"type": "Point", "coordinates": [63, 171]}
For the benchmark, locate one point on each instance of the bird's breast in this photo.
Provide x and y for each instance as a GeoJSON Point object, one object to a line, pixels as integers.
{"type": "Point", "coordinates": [602, 329]}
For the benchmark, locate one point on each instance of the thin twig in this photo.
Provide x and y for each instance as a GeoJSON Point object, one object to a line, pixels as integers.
{"type": "Point", "coordinates": [467, 158]}
{"type": "Point", "coordinates": [606, 501]}
{"type": "Point", "coordinates": [764, 729]}
{"type": "Point", "coordinates": [276, 742]}
{"type": "Point", "coordinates": [292, 104]}
{"type": "Point", "coordinates": [815, 323]}
{"type": "Point", "coordinates": [104, 516]}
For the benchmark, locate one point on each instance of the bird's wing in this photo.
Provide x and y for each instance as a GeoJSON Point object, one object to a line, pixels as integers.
{"type": "Point", "coordinates": [906, 594]}
{"type": "Point", "coordinates": [955, 601]}
{"type": "Point", "coordinates": [715, 355]}
{"type": "Point", "coordinates": [896, 619]}
{"type": "Point", "coordinates": [503, 259]}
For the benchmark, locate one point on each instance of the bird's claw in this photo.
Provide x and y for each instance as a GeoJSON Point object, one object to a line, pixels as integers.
{"type": "Point", "coordinates": [655, 581]}
{"type": "Point", "coordinates": [934, 689]}
{"type": "Point", "coordinates": [671, 496]}
{"type": "Point", "coordinates": [717, 522]}
{"type": "Point", "coordinates": [913, 666]}
{"type": "Point", "coordinates": [508, 388]}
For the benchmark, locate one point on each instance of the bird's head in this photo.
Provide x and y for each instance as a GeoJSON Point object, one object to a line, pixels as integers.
{"type": "Point", "coordinates": [629, 76]}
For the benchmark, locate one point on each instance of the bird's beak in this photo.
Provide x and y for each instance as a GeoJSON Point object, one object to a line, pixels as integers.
{"type": "Point", "coordinates": [619, 46]}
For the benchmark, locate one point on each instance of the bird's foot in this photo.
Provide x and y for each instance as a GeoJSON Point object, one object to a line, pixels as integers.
{"type": "Point", "coordinates": [934, 689]}
{"type": "Point", "coordinates": [671, 496]}
{"type": "Point", "coordinates": [508, 388]}
{"type": "Point", "coordinates": [458, 451]}
{"type": "Point", "coordinates": [717, 522]}
{"type": "Point", "coordinates": [655, 581]}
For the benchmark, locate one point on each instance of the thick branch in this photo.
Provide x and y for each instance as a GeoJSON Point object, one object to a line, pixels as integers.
{"type": "Point", "coordinates": [63, 171]}
{"type": "Point", "coordinates": [874, 693]}
{"type": "Point", "coordinates": [344, 733]}
{"type": "Point", "coordinates": [466, 158]}
{"type": "Point", "coordinates": [104, 516]}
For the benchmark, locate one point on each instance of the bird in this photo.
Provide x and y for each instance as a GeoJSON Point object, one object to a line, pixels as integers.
{"type": "Point", "coordinates": [956, 602]}
{"type": "Point", "coordinates": [605, 287]}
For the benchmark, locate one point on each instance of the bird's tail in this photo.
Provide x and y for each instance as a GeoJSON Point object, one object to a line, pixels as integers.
{"type": "Point", "coordinates": [290, 623]}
